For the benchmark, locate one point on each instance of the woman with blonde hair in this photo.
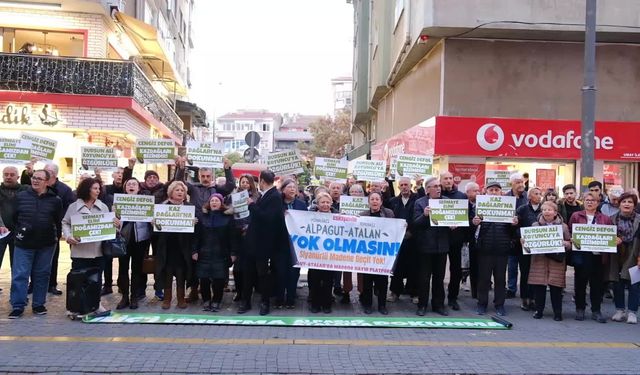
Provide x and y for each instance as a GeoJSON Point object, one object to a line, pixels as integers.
{"type": "Point", "coordinates": [321, 281]}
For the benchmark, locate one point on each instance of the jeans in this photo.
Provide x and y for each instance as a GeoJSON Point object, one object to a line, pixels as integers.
{"type": "Point", "coordinates": [512, 280]}
{"type": "Point", "coordinates": [618, 295]}
{"type": "Point", "coordinates": [37, 264]}
{"type": "Point", "coordinates": [4, 242]}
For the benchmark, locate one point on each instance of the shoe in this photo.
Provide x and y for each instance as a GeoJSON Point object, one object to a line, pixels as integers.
{"type": "Point", "coordinates": [510, 294]}
{"type": "Point", "coordinates": [597, 316]}
{"type": "Point", "coordinates": [345, 300]}
{"type": "Point", "coordinates": [159, 295]}
{"type": "Point", "coordinates": [501, 311]}
{"type": "Point", "coordinates": [557, 317]}
{"type": "Point", "coordinates": [290, 306]}
{"type": "Point", "coordinates": [532, 305]}
{"type": "Point", "coordinates": [264, 309]}
{"type": "Point", "coordinates": [326, 310]}
{"type": "Point", "coordinates": [134, 304]}
{"type": "Point", "coordinates": [206, 306]}
{"type": "Point", "coordinates": [167, 297]}
{"type": "Point", "coordinates": [338, 291]}
{"type": "Point", "coordinates": [278, 305]}
{"type": "Point", "coordinates": [580, 315]}
{"type": "Point", "coordinates": [124, 302]}
{"type": "Point", "coordinates": [15, 313]}
{"type": "Point", "coordinates": [193, 296]}
{"type": "Point", "coordinates": [215, 307]}
{"type": "Point", "coordinates": [106, 290]}
{"type": "Point", "coordinates": [368, 310]}
{"type": "Point", "coordinates": [537, 315]}
{"type": "Point", "coordinates": [244, 308]}
{"type": "Point", "coordinates": [632, 318]}
{"type": "Point", "coordinates": [619, 316]}
{"type": "Point", "coordinates": [181, 300]}
{"type": "Point", "coordinates": [40, 310]}
{"type": "Point", "coordinates": [454, 305]}
{"type": "Point", "coordinates": [607, 294]}
{"type": "Point", "coordinates": [441, 311]}
{"type": "Point", "coordinates": [237, 297]}
{"type": "Point", "coordinates": [524, 306]}
{"type": "Point", "coordinates": [314, 310]}
{"type": "Point", "coordinates": [55, 291]}
{"type": "Point", "coordinates": [481, 310]}
{"type": "Point", "coordinates": [421, 311]}
{"type": "Point", "coordinates": [383, 310]}
{"type": "Point", "coordinates": [393, 297]}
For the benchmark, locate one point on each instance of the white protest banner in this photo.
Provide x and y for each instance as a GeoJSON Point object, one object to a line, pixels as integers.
{"type": "Point", "coordinates": [544, 239]}
{"type": "Point", "coordinates": [98, 157]}
{"type": "Point", "coordinates": [594, 237]}
{"type": "Point", "coordinates": [93, 227]}
{"type": "Point", "coordinates": [240, 202]}
{"type": "Point", "coordinates": [284, 163]}
{"type": "Point", "coordinates": [14, 151]}
{"type": "Point", "coordinates": [161, 151]}
{"type": "Point", "coordinates": [174, 218]}
{"type": "Point", "coordinates": [337, 242]}
{"type": "Point", "coordinates": [130, 207]}
{"type": "Point", "coordinates": [353, 205]}
{"type": "Point", "coordinates": [205, 154]}
{"type": "Point", "coordinates": [449, 212]}
{"type": "Point", "coordinates": [502, 177]}
{"type": "Point", "coordinates": [495, 208]}
{"type": "Point", "coordinates": [369, 170]}
{"type": "Point", "coordinates": [331, 169]}
{"type": "Point", "coordinates": [412, 165]}
{"type": "Point", "coordinates": [41, 148]}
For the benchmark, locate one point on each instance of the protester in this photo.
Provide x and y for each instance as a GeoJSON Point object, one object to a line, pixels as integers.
{"type": "Point", "coordinates": [550, 196]}
{"type": "Point", "coordinates": [588, 266]}
{"type": "Point", "coordinates": [517, 181]}
{"type": "Point", "coordinates": [549, 269]}
{"type": "Point", "coordinates": [9, 189]}
{"type": "Point", "coordinates": [527, 216]}
{"type": "Point", "coordinates": [627, 256]}
{"type": "Point", "coordinates": [38, 212]}
{"type": "Point", "coordinates": [321, 281]}
{"type": "Point", "coordinates": [494, 244]}
{"type": "Point", "coordinates": [472, 190]}
{"type": "Point", "coordinates": [569, 204]}
{"type": "Point", "coordinates": [335, 191]}
{"type": "Point", "coordinates": [432, 245]}
{"type": "Point", "coordinates": [117, 187]}
{"type": "Point", "coordinates": [612, 207]}
{"type": "Point", "coordinates": [355, 190]}
{"type": "Point", "coordinates": [595, 187]}
{"type": "Point", "coordinates": [381, 282]}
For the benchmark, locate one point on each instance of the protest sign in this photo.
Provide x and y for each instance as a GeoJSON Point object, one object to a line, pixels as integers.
{"type": "Point", "coordinates": [495, 208]}
{"type": "Point", "coordinates": [284, 163]}
{"type": "Point", "coordinates": [205, 154]}
{"type": "Point", "coordinates": [413, 165]}
{"type": "Point", "coordinates": [240, 202]}
{"type": "Point", "coordinates": [502, 177]}
{"type": "Point", "coordinates": [337, 242]}
{"type": "Point", "coordinates": [594, 237]}
{"type": "Point", "coordinates": [449, 212]}
{"type": "Point", "coordinates": [353, 205]}
{"type": "Point", "coordinates": [369, 170]}
{"type": "Point", "coordinates": [150, 151]}
{"type": "Point", "coordinates": [174, 218]}
{"type": "Point", "coordinates": [130, 207]}
{"type": "Point", "coordinates": [41, 148]}
{"type": "Point", "coordinates": [98, 157]}
{"type": "Point", "coordinates": [93, 227]}
{"type": "Point", "coordinates": [544, 239]}
{"type": "Point", "coordinates": [331, 169]}
{"type": "Point", "coordinates": [14, 151]}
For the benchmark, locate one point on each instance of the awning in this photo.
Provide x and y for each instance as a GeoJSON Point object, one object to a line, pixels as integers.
{"type": "Point", "coordinates": [157, 64]}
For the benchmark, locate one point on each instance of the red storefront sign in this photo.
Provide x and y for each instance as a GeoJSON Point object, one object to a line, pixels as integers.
{"type": "Point", "coordinates": [526, 138]}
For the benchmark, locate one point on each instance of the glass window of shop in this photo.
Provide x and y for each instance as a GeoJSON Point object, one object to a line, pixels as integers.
{"type": "Point", "coordinates": [42, 42]}
{"type": "Point", "coordinates": [545, 175]}
{"type": "Point", "coordinates": [619, 175]}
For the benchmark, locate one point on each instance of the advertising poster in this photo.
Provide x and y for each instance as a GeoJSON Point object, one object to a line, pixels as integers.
{"type": "Point", "coordinates": [463, 173]}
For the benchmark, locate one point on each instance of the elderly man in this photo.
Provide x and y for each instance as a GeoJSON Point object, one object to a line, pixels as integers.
{"type": "Point", "coordinates": [335, 191]}
{"type": "Point", "coordinates": [9, 188]}
{"type": "Point", "coordinates": [472, 190]}
{"type": "Point", "coordinates": [517, 190]}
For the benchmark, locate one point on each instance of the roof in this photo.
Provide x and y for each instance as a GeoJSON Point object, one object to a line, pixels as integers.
{"type": "Point", "coordinates": [300, 121]}
{"type": "Point", "coordinates": [249, 115]}
{"type": "Point", "coordinates": [198, 115]}
{"type": "Point", "coordinates": [292, 136]}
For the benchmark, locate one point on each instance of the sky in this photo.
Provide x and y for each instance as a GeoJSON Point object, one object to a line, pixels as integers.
{"type": "Point", "coordinates": [278, 55]}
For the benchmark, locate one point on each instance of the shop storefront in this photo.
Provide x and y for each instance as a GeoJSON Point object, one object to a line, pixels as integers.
{"type": "Point", "coordinates": [548, 150]}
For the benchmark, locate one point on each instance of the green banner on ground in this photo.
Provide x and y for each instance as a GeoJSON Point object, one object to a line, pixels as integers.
{"type": "Point", "coordinates": [298, 321]}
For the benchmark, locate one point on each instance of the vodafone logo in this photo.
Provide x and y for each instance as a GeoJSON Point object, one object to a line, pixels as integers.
{"type": "Point", "coordinates": [490, 137]}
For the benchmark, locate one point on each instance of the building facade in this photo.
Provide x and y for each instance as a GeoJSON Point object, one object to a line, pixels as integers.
{"type": "Point", "coordinates": [429, 77]}
{"type": "Point", "coordinates": [342, 88]}
{"type": "Point", "coordinates": [232, 128]}
{"type": "Point", "coordinates": [294, 130]}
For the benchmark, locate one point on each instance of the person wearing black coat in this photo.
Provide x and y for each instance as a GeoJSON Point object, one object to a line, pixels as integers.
{"type": "Point", "coordinates": [321, 281]}
{"type": "Point", "coordinates": [265, 242]}
{"type": "Point", "coordinates": [493, 245]}
{"type": "Point", "coordinates": [527, 216]}
{"type": "Point", "coordinates": [213, 249]}
{"type": "Point", "coordinates": [432, 245]}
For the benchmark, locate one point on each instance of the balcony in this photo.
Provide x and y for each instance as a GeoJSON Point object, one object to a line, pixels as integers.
{"type": "Point", "coordinates": [95, 77]}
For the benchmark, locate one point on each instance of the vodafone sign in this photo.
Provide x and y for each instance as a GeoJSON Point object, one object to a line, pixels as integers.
{"type": "Point", "coordinates": [524, 138]}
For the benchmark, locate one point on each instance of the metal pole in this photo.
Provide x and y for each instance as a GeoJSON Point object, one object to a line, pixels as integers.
{"type": "Point", "coordinates": [588, 96]}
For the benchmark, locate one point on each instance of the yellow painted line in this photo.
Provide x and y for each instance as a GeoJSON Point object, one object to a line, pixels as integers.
{"type": "Point", "coordinates": [332, 342]}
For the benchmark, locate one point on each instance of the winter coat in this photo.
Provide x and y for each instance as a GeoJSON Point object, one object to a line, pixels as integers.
{"type": "Point", "coordinates": [65, 193]}
{"type": "Point", "coordinates": [579, 258]}
{"type": "Point", "coordinates": [296, 204]}
{"type": "Point", "coordinates": [458, 235]}
{"type": "Point", "coordinates": [384, 212]}
{"type": "Point", "coordinates": [627, 255]}
{"type": "Point", "coordinates": [526, 217]}
{"type": "Point", "coordinates": [520, 200]}
{"type": "Point", "coordinates": [265, 237]}
{"type": "Point", "coordinates": [428, 239]}
{"type": "Point", "coordinates": [37, 219]}
{"type": "Point", "coordinates": [186, 248]}
{"type": "Point", "coordinates": [213, 244]}
{"type": "Point", "coordinates": [564, 212]}
{"type": "Point", "coordinates": [89, 249]}
{"type": "Point", "coordinates": [547, 271]}
{"type": "Point", "coordinates": [159, 191]}
{"type": "Point", "coordinates": [495, 239]}
{"type": "Point", "coordinates": [7, 199]}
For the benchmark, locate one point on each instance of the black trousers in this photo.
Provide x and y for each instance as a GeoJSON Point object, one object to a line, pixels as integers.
{"type": "Point", "coordinates": [108, 271]}
{"type": "Point", "coordinates": [53, 277]}
{"type": "Point", "coordinates": [473, 271]}
{"type": "Point", "coordinates": [406, 268]}
{"type": "Point", "coordinates": [381, 282]}
{"type": "Point", "coordinates": [237, 275]}
{"type": "Point", "coordinates": [258, 273]}
{"type": "Point", "coordinates": [496, 266]}
{"type": "Point", "coordinates": [136, 251]}
{"type": "Point", "coordinates": [209, 287]}
{"type": "Point", "coordinates": [320, 284]}
{"type": "Point", "coordinates": [432, 268]}
{"type": "Point", "coordinates": [455, 271]}
{"type": "Point", "coordinates": [591, 272]}
{"type": "Point", "coordinates": [540, 292]}
{"type": "Point", "coordinates": [524, 262]}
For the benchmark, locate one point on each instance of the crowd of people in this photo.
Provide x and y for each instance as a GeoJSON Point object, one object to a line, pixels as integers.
{"type": "Point", "coordinates": [36, 209]}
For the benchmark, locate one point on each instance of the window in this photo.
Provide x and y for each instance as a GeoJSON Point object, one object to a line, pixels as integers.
{"type": "Point", "coordinates": [265, 127]}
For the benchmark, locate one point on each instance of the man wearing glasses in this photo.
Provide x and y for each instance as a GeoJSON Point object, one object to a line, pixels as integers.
{"type": "Point", "coordinates": [38, 213]}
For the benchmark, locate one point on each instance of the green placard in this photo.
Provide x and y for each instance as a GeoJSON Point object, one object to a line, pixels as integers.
{"type": "Point", "coordinates": [42, 148]}
{"type": "Point", "coordinates": [594, 237]}
{"type": "Point", "coordinates": [331, 169]}
{"type": "Point", "coordinates": [542, 239]}
{"type": "Point", "coordinates": [449, 212]}
{"type": "Point", "coordinates": [130, 207]}
{"type": "Point", "coordinates": [150, 151]}
{"type": "Point", "coordinates": [14, 151]}
{"type": "Point", "coordinates": [495, 208]}
{"type": "Point", "coordinates": [205, 154]}
{"type": "Point", "coordinates": [93, 227]}
{"type": "Point", "coordinates": [413, 165]}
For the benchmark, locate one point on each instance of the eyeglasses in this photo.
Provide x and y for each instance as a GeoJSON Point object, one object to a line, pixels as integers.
{"type": "Point", "coordinates": [38, 179]}
{"type": "Point", "coordinates": [433, 186]}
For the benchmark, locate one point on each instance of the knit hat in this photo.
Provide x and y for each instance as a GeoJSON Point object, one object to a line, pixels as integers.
{"type": "Point", "coordinates": [217, 195]}
{"type": "Point", "coordinates": [151, 173]}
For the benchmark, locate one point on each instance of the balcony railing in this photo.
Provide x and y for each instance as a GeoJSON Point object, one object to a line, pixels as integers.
{"type": "Point", "coordinates": [75, 76]}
